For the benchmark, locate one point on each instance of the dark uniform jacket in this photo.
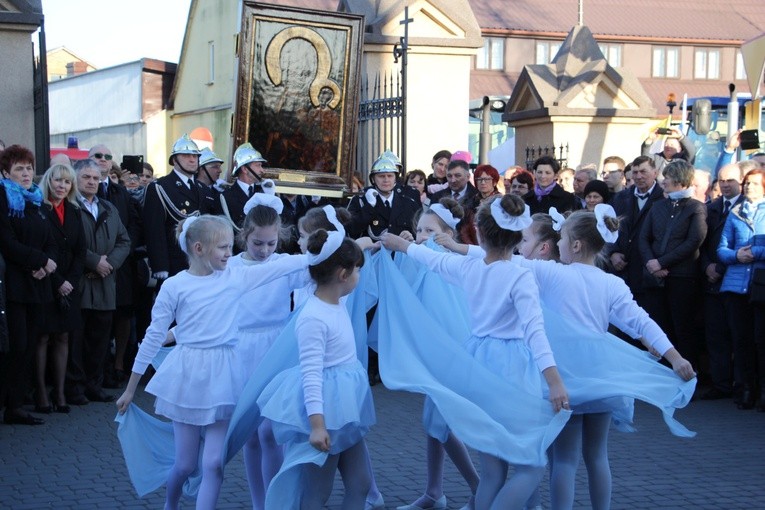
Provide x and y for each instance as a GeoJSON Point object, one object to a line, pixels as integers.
{"type": "Point", "coordinates": [366, 219]}
{"type": "Point", "coordinates": [160, 219]}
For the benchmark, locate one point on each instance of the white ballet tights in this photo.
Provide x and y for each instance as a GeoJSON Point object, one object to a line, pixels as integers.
{"type": "Point", "coordinates": [587, 433]}
{"type": "Point", "coordinates": [263, 458]}
{"type": "Point", "coordinates": [352, 466]}
{"type": "Point", "coordinates": [496, 492]}
{"type": "Point", "coordinates": [187, 439]}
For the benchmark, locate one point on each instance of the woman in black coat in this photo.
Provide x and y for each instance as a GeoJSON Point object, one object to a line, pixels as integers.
{"type": "Point", "coordinates": [62, 315]}
{"type": "Point", "coordinates": [28, 249]}
{"type": "Point", "coordinates": [547, 192]}
{"type": "Point", "coordinates": [669, 244]}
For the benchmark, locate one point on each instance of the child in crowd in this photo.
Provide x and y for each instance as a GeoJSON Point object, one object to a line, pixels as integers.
{"type": "Point", "coordinates": [540, 239]}
{"type": "Point", "coordinates": [440, 223]}
{"type": "Point", "coordinates": [198, 384]}
{"type": "Point", "coordinates": [263, 313]}
{"type": "Point", "coordinates": [326, 400]}
{"type": "Point", "coordinates": [508, 332]}
{"type": "Point", "coordinates": [600, 298]}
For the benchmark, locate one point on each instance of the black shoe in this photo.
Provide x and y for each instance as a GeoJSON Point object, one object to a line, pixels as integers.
{"type": "Point", "coordinates": [747, 398]}
{"type": "Point", "coordinates": [78, 400]}
{"type": "Point", "coordinates": [63, 409]}
{"type": "Point", "coordinates": [44, 409]}
{"type": "Point", "coordinates": [99, 396]}
{"type": "Point", "coordinates": [17, 418]}
{"type": "Point", "coordinates": [111, 383]}
{"type": "Point", "coordinates": [715, 394]}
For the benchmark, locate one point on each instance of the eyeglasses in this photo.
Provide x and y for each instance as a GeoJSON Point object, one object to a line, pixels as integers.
{"type": "Point", "coordinates": [101, 155]}
{"type": "Point", "coordinates": [484, 179]}
{"type": "Point", "coordinates": [519, 186]}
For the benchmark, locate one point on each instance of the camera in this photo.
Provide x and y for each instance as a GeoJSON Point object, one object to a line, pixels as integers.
{"type": "Point", "coordinates": [750, 139]}
{"type": "Point", "coordinates": [664, 131]}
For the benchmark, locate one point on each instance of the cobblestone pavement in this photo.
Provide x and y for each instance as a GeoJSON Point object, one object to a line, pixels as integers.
{"type": "Point", "coordinates": [74, 461]}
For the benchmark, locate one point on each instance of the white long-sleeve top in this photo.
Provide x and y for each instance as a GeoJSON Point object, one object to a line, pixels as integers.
{"type": "Point", "coordinates": [593, 298]}
{"type": "Point", "coordinates": [325, 339]}
{"type": "Point", "coordinates": [503, 298]}
{"type": "Point", "coordinates": [205, 307]}
{"type": "Point", "coordinates": [269, 304]}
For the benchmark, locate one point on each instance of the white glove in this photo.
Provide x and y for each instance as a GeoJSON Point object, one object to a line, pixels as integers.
{"type": "Point", "coordinates": [160, 275]}
{"type": "Point", "coordinates": [371, 196]}
{"type": "Point", "coordinates": [315, 199]}
{"type": "Point", "coordinates": [435, 188]}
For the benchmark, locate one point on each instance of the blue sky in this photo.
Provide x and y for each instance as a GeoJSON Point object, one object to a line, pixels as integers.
{"type": "Point", "coordinates": [111, 32]}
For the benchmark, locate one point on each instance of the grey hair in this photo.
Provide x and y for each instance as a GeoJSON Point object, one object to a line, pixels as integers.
{"type": "Point", "coordinates": [86, 163]}
{"type": "Point", "coordinates": [680, 171]}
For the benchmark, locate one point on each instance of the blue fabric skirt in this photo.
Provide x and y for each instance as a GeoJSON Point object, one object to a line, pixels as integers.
{"type": "Point", "coordinates": [603, 373]}
{"type": "Point", "coordinates": [507, 418]}
{"type": "Point", "coordinates": [348, 407]}
{"type": "Point", "coordinates": [198, 386]}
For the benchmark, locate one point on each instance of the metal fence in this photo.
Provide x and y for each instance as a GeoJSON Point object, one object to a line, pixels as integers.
{"type": "Point", "coordinates": [380, 119]}
{"type": "Point", "coordinates": [560, 153]}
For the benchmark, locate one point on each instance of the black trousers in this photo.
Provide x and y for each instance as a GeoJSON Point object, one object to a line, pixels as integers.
{"type": "Point", "coordinates": [747, 325]}
{"type": "Point", "coordinates": [23, 329]}
{"type": "Point", "coordinates": [673, 307]}
{"type": "Point", "coordinates": [88, 348]}
{"type": "Point", "coordinates": [719, 342]}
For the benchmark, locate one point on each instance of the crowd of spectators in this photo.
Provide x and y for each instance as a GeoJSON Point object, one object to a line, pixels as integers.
{"type": "Point", "coordinates": [85, 250]}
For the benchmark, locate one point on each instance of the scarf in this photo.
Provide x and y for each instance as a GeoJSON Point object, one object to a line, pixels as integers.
{"type": "Point", "coordinates": [17, 196]}
{"type": "Point", "coordinates": [748, 209]}
{"type": "Point", "coordinates": [542, 192]}
{"type": "Point", "coordinates": [679, 195]}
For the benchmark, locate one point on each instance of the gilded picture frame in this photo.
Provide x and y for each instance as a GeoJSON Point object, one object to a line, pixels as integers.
{"type": "Point", "coordinates": [298, 94]}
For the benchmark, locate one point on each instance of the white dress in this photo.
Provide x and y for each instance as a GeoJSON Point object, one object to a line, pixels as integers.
{"type": "Point", "coordinates": [201, 379]}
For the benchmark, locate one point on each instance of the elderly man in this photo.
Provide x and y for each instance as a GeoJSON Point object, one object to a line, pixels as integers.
{"type": "Point", "coordinates": [248, 172]}
{"type": "Point", "coordinates": [108, 245]}
{"type": "Point", "coordinates": [612, 174]}
{"type": "Point", "coordinates": [129, 211]}
{"type": "Point", "coordinates": [584, 174]}
{"type": "Point", "coordinates": [676, 145]}
{"type": "Point", "coordinates": [168, 200]}
{"type": "Point", "coordinates": [701, 185]}
{"type": "Point", "coordinates": [632, 205]}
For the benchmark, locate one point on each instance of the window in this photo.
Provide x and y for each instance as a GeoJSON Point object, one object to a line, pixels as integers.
{"type": "Point", "coordinates": [211, 70]}
{"type": "Point", "coordinates": [492, 56]}
{"type": "Point", "coordinates": [666, 62]}
{"type": "Point", "coordinates": [612, 52]}
{"type": "Point", "coordinates": [546, 51]}
{"type": "Point", "coordinates": [740, 71]}
{"type": "Point", "coordinates": [706, 64]}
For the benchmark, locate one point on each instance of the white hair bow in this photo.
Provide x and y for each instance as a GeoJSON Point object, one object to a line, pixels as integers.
{"type": "Point", "coordinates": [446, 215]}
{"type": "Point", "coordinates": [184, 229]}
{"type": "Point", "coordinates": [508, 222]}
{"type": "Point", "coordinates": [603, 211]}
{"type": "Point", "coordinates": [557, 219]}
{"type": "Point", "coordinates": [334, 239]}
{"type": "Point", "coordinates": [267, 198]}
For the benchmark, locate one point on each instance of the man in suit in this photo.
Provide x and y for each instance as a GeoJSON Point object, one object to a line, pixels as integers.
{"type": "Point", "coordinates": [169, 200]}
{"type": "Point", "coordinates": [108, 246]}
{"type": "Point", "coordinates": [632, 205]}
{"type": "Point", "coordinates": [460, 189]}
{"type": "Point", "coordinates": [130, 214]}
{"type": "Point", "coordinates": [248, 172]}
{"type": "Point", "coordinates": [382, 206]}
{"type": "Point", "coordinates": [717, 331]}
